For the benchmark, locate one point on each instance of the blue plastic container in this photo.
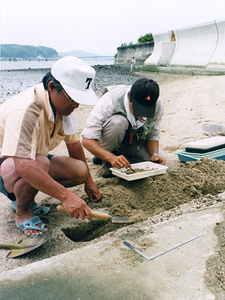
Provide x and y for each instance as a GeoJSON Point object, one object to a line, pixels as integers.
{"type": "Point", "coordinates": [184, 156]}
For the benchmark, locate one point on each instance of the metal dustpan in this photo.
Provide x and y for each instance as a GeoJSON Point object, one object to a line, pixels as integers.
{"type": "Point", "coordinates": [102, 216]}
{"type": "Point", "coordinates": [26, 245]}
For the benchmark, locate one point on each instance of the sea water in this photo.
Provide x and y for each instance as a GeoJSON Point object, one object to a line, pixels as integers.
{"type": "Point", "coordinates": [42, 64]}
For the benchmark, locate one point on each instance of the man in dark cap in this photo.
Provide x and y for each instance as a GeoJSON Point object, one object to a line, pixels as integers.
{"type": "Point", "coordinates": [124, 127]}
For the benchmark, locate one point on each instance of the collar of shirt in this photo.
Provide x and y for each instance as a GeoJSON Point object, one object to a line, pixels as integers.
{"type": "Point", "coordinates": [135, 122]}
{"type": "Point", "coordinates": [69, 122]}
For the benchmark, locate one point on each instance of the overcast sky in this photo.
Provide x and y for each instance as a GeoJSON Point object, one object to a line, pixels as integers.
{"type": "Point", "coordinates": [99, 26]}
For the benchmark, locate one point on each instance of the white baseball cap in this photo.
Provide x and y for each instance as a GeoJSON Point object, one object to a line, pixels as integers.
{"type": "Point", "coordinates": [76, 77]}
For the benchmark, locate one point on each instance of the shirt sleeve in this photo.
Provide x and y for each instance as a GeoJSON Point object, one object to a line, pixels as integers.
{"type": "Point", "coordinates": [100, 113]}
{"type": "Point", "coordinates": [20, 135]}
{"type": "Point", "coordinates": [70, 139]}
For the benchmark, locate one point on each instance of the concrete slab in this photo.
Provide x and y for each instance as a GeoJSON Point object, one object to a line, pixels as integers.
{"type": "Point", "coordinates": [110, 270]}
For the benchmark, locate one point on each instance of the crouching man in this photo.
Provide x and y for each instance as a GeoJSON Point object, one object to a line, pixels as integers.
{"type": "Point", "coordinates": [124, 127]}
{"type": "Point", "coordinates": [33, 123]}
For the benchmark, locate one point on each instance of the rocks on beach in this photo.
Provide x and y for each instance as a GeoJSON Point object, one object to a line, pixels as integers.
{"type": "Point", "coordinates": [15, 81]}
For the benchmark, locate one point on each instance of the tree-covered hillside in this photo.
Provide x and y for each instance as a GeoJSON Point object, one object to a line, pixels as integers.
{"type": "Point", "coordinates": [27, 52]}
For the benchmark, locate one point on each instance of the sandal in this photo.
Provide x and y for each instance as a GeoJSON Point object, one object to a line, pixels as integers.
{"type": "Point", "coordinates": [37, 210]}
{"type": "Point", "coordinates": [31, 224]}
{"type": "Point", "coordinates": [105, 171]}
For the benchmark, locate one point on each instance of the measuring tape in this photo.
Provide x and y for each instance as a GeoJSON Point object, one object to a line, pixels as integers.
{"type": "Point", "coordinates": [163, 251]}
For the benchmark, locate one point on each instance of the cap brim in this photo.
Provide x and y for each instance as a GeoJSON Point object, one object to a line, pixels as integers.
{"type": "Point", "coordinates": [143, 110]}
{"type": "Point", "coordinates": [87, 97]}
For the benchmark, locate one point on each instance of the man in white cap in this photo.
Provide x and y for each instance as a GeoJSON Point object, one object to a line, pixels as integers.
{"type": "Point", "coordinates": [33, 123]}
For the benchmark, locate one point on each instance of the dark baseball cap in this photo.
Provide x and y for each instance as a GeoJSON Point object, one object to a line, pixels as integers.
{"type": "Point", "coordinates": [143, 95]}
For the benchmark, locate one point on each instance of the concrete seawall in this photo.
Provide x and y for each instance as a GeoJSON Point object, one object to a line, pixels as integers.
{"type": "Point", "coordinates": [140, 51]}
{"type": "Point", "coordinates": [218, 57]}
{"type": "Point", "coordinates": [164, 45]}
{"type": "Point", "coordinates": [195, 45]}
{"type": "Point", "coordinates": [199, 49]}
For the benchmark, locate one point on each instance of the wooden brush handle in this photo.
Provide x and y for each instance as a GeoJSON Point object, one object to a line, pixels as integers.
{"type": "Point", "coordinates": [61, 208]}
{"type": "Point", "coordinates": [95, 214]}
{"type": "Point", "coordinates": [100, 215]}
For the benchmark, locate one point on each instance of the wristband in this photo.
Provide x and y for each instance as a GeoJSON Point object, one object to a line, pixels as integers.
{"type": "Point", "coordinates": [154, 154]}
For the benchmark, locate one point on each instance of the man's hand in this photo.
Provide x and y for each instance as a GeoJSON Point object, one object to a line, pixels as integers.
{"type": "Point", "coordinates": [76, 207]}
{"type": "Point", "coordinates": [92, 191]}
{"type": "Point", "coordinates": [158, 159]}
{"type": "Point", "coordinates": [153, 148]}
{"type": "Point", "coordinates": [119, 162]}
{"type": "Point", "coordinates": [76, 151]}
{"type": "Point", "coordinates": [96, 149]}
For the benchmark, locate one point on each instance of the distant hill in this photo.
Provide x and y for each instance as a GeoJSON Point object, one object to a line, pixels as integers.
{"type": "Point", "coordinates": [26, 51]}
{"type": "Point", "coordinates": [78, 53]}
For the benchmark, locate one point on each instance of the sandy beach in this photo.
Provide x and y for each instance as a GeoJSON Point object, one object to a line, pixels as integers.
{"type": "Point", "coordinates": [189, 103]}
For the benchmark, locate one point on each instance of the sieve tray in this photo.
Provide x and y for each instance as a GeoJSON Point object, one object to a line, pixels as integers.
{"type": "Point", "coordinates": [151, 168]}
